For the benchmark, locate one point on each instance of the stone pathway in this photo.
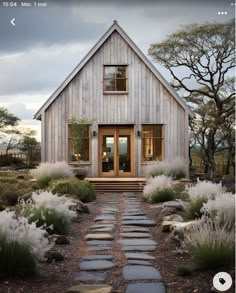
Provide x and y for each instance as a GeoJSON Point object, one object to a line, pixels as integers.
{"type": "Point", "coordinates": [135, 241]}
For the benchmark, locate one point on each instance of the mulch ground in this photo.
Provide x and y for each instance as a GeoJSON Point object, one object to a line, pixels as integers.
{"type": "Point", "coordinates": [56, 277]}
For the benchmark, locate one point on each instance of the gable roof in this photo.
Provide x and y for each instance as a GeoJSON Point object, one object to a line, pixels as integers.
{"type": "Point", "coordinates": [114, 27]}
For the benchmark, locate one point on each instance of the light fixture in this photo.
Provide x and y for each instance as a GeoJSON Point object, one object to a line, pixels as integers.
{"type": "Point", "coordinates": [94, 133]}
{"type": "Point", "coordinates": [138, 133]}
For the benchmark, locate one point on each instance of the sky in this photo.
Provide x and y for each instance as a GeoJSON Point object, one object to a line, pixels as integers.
{"type": "Point", "coordinates": [47, 43]}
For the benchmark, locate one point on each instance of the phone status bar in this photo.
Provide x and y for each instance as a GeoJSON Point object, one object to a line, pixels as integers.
{"type": "Point", "coordinates": [24, 4]}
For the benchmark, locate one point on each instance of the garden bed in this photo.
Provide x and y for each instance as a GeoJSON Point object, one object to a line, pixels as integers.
{"type": "Point", "coordinates": [169, 261]}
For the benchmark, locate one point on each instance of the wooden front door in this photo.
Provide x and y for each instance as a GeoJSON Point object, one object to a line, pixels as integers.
{"type": "Point", "coordinates": [116, 151]}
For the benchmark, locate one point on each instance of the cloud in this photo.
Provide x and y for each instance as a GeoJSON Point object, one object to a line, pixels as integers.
{"type": "Point", "coordinates": [21, 111]}
{"type": "Point", "coordinates": [40, 70]}
{"type": "Point", "coordinates": [56, 24]}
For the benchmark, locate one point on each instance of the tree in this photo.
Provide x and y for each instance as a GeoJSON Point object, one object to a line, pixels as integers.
{"type": "Point", "coordinates": [30, 146]}
{"type": "Point", "coordinates": [7, 119]}
{"type": "Point", "coordinates": [200, 58]}
{"type": "Point", "coordinates": [11, 143]}
{"type": "Point", "coordinates": [202, 124]}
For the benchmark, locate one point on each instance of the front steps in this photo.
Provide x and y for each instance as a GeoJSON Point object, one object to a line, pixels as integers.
{"type": "Point", "coordinates": [114, 184]}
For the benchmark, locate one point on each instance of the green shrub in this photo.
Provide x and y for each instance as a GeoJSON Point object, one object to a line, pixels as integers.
{"type": "Point", "coordinates": [163, 195]}
{"type": "Point", "coordinates": [212, 256]}
{"type": "Point", "coordinates": [44, 182]}
{"type": "Point", "coordinates": [8, 180]}
{"type": "Point", "coordinates": [87, 191]}
{"type": "Point", "coordinates": [80, 188]}
{"type": "Point", "coordinates": [210, 245]}
{"type": "Point", "coordinates": [193, 209]}
{"type": "Point", "coordinates": [9, 194]}
{"type": "Point", "coordinates": [176, 173]}
{"type": "Point", "coordinates": [154, 173]}
{"type": "Point", "coordinates": [16, 258]}
{"type": "Point", "coordinates": [51, 219]}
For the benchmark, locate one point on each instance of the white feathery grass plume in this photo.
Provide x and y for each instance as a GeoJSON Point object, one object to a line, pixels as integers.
{"type": "Point", "coordinates": [55, 170]}
{"type": "Point", "coordinates": [18, 229]}
{"type": "Point", "coordinates": [221, 209]}
{"type": "Point", "coordinates": [206, 189]}
{"type": "Point", "coordinates": [61, 204]}
{"type": "Point", "coordinates": [157, 183]}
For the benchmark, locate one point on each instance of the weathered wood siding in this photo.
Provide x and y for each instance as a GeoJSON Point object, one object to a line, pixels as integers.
{"type": "Point", "coordinates": [147, 101]}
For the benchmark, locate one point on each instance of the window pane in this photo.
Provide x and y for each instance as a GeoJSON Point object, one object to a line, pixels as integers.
{"type": "Point", "coordinates": [157, 131]}
{"type": "Point", "coordinates": [121, 72]}
{"type": "Point", "coordinates": [108, 153]}
{"type": "Point", "coordinates": [80, 152]}
{"type": "Point", "coordinates": [152, 130]}
{"type": "Point", "coordinates": [152, 142]}
{"type": "Point", "coordinates": [110, 72]}
{"type": "Point", "coordinates": [121, 84]}
{"type": "Point", "coordinates": [109, 85]}
{"type": "Point", "coordinates": [84, 150]}
{"type": "Point", "coordinates": [157, 149]}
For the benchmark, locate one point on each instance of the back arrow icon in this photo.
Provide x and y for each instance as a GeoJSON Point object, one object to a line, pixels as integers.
{"type": "Point", "coordinates": [12, 21]}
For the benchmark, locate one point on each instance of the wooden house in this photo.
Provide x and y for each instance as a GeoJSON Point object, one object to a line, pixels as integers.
{"type": "Point", "coordinates": [136, 116]}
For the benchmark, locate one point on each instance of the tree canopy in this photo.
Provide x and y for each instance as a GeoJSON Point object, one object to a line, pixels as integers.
{"type": "Point", "coordinates": [201, 58]}
{"type": "Point", "coordinates": [7, 119]}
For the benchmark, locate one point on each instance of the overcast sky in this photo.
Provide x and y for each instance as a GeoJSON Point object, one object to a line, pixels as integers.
{"type": "Point", "coordinates": [45, 44]}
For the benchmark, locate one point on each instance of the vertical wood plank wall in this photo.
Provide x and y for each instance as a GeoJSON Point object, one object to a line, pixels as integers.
{"type": "Point", "coordinates": [147, 101]}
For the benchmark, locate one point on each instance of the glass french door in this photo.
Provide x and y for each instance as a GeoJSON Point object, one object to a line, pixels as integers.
{"type": "Point", "coordinates": [116, 151]}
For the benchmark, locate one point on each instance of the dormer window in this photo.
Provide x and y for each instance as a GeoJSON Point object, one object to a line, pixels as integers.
{"type": "Point", "coordinates": [115, 79]}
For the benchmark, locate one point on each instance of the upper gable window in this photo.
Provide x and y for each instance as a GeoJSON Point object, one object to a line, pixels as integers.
{"type": "Point", "coordinates": [115, 79]}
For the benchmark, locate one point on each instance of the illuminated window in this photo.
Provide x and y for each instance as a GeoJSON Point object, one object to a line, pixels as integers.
{"type": "Point", "coordinates": [83, 153]}
{"type": "Point", "coordinates": [152, 142]}
{"type": "Point", "coordinates": [115, 78]}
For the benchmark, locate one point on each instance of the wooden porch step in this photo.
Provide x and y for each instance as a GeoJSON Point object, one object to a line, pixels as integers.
{"type": "Point", "coordinates": [118, 184]}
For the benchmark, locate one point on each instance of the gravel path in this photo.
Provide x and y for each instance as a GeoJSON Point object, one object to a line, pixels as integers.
{"type": "Point", "coordinates": [119, 247]}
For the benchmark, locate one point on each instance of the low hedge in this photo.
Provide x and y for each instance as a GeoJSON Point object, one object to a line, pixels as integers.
{"type": "Point", "coordinates": [82, 189]}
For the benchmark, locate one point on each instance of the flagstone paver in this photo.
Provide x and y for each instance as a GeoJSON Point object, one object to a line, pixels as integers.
{"type": "Point", "coordinates": [134, 218]}
{"type": "Point", "coordinates": [134, 229]}
{"type": "Point", "coordinates": [98, 256]}
{"type": "Point", "coordinates": [100, 236]}
{"type": "Point", "coordinates": [143, 223]}
{"type": "Point", "coordinates": [93, 288]}
{"type": "Point", "coordinates": [102, 226]}
{"type": "Point", "coordinates": [156, 287]}
{"type": "Point", "coordinates": [138, 248]}
{"type": "Point", "coordinates": [94, 265]}
{"type": "Point", "coordinates": [85, 276]}
{"type": "Point", "coordinates": [100, 248]}
{"type": "Point", "coordinates": [137, 242]}
{"type": "Point", "coordinates": [104, 217]}
{"type": "Point", "coordinates": [132, 273]}
{"type": "Point", "coordinates": [135, 235]}
{"type": "Point", "coordinates": [138, 262]}
{"type": "Point", "coordinates": [143, 256]}
{"type": "Point", "coordinates": [102, 230]}
{"type": "Point", "coordinates": [100, 242]}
